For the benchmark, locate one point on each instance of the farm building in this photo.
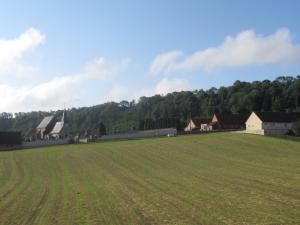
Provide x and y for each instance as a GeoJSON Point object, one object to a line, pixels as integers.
{"type": "Point", "coordinates": [44, 127]}
{"type": "Point", "coordinates": [197, 124]}
{"type": "Point", "coordinates": [228, 122]}
{"type": "Point", "coordinates": [271, 122]}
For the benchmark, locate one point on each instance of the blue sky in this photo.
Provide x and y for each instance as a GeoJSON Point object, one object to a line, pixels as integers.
{"type": "Point", "coordinates": [81, 53]}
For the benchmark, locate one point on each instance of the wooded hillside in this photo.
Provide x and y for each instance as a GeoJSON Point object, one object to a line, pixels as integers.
{"type": "Point", "coordinates": [172, 110]}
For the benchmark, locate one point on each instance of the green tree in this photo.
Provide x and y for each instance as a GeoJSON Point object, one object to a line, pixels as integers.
{"type": "Point", "coordinates": [102, 129]}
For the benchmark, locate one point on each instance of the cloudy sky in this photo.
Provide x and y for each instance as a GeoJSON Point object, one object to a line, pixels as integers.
{"type": "Point", "coordinates": [82, 53]}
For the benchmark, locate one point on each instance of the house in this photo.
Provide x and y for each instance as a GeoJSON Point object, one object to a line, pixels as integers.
{"type": "Point", "coordinates": [60, 129]}
{"type": "Point", "coordinates": [197, 124]}
{"type": "Point", "coordinates": [44, 127]}
{"type": "Point", "coordinates": [271, 122]}
{"type": "Point", "coordinates": [228, 121]}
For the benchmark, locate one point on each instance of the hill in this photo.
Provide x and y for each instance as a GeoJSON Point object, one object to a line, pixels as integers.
{"type": "Point", "coordinates": [220, 178]}
{"type": "Point", "coordinates": [172, 110]}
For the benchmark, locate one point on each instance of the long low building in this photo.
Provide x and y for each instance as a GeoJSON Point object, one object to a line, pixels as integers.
{"type": "Point", "coordinates": [140, 134]}
{"type": "Point", "coordinates": [228, 121]}
{"type": "Point", "coordinates": [271, 123]}
{"type": "Point", "coordinates": [222, 121]}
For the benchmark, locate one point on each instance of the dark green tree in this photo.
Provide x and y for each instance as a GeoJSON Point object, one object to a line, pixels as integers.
{"type": "Point", "coordinates": [102, 129]}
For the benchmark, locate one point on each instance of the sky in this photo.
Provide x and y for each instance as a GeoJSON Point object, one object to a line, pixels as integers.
{"type": "Point", "coordinates": [57, 54]}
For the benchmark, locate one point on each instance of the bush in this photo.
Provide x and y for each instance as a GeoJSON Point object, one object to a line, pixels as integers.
{"type": "Point", "coordinates": [10, 138]}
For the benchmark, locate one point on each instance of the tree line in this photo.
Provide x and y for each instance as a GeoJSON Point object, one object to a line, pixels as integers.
{"type": "Point", "coordinates": [171, 110]}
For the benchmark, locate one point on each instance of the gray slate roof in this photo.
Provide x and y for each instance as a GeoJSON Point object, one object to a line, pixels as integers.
{"type": "Point", "coordinates": [57, 128]}
{"type": "Point", "coordinates": [45, 122]}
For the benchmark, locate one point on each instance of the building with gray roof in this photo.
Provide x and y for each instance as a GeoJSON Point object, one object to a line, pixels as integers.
{"type": "Point", "coordinates": [44, 127]}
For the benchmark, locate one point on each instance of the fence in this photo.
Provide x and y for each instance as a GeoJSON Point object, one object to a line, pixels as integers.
{"type": "Point", "coordinates": [41, 143]}
{"type": "Point", "coordinates": [207, 132]}
{"type": "Point", "coordinates": [140, 134]}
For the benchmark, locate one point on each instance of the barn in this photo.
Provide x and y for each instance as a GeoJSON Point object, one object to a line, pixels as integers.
{"type": "Point", "coordinates": [228, 121]}
{"type": "Point", "coordinates": [271, 122]}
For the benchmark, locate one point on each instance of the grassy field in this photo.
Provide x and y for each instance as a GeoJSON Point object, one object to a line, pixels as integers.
{"type": "Point", "coordinates": [197, 179]}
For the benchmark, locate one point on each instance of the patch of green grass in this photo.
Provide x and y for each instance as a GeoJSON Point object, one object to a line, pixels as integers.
{"type": "Point", "coordinates": [221, 178]}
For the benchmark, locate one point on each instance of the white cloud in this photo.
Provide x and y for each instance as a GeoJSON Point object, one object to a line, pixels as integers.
{"type": "Point", "coordinates": [48, 95]}
{"type": "Point", "coordinates": [163, 63]}
{"type": "Point", "coordinates": [103, 69]}
{"type": "Point", "coordinates": [247, 48]}
{"type": "Point", "coordinates": [52, 94]}
{"type": "Point", "coordinates": [13, 50]}
{"type": "Point", "coordinates": [166, 86]}
{"type": "Point", "coordinates": [117, 93]}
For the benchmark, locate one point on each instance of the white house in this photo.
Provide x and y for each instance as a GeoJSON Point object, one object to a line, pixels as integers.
{"type": "Point", "coordinates": [271, 122]}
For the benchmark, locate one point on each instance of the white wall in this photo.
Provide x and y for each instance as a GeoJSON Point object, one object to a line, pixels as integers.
{"type": "Point", "coordinates": [40, 143]}
{"type": "Point", "coordinates": [277, 126]}
{"type": "Point", "coordinates": [140, 134]}
{"type": "Point", "coordinates": [253, 123]}
{"type": "Point", "coordinates": [259, 132]}
{"type": "Point", "coordinates": [205, 127]}
{"type": "Point", "coordinates": [190, 126]}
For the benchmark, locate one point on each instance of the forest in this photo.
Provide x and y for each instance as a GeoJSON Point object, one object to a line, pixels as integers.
{"type": "Point", "coordinates": [171, 110]}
